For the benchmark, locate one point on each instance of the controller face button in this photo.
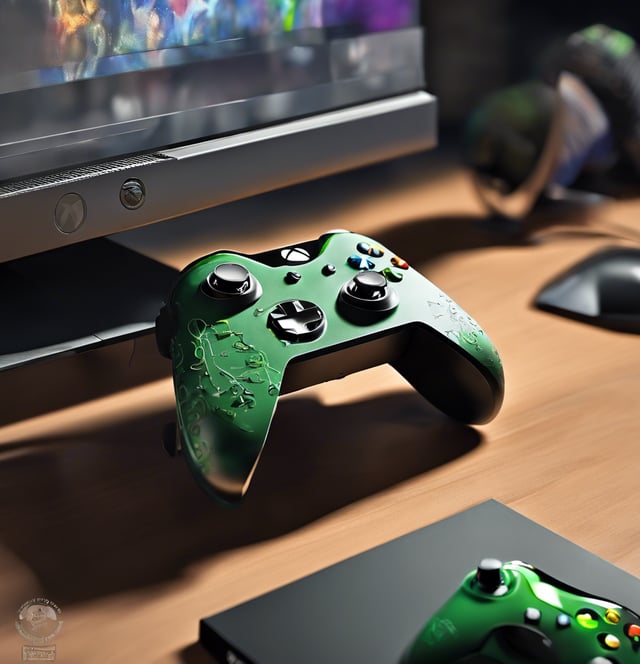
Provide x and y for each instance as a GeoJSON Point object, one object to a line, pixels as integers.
{"type": "Point", "coordinates": [612, 616]}
{"type": "Point", "coordinates": [563, 621]}
{"type": "Point", "coordinates": [228, 280]}
{"type": "Point", "coordinates": [296, 321]}
{"type": "Point", "coordinates": [392, 275]}
{"type": "Point", "coordinates": [399, 262]}
{"type": "Point", "coordinates": [292, 277]}
{"type": "Point", "coordinates": [587, 618]}
{"type": "Point", "coordinates": [633, 632]}
{"type": "Point", "coordinates": [609, 641]}
{"type": "Point", "coordinates": [358, 262]}
{"type": "Point", "coordinates": [329, 269]}
{"type": "Point", "coordinates": [295, 255]}
{"type": "Point", "coordinates": [370, 249]}
{"type": "Point", "coordinates": [532, 616]}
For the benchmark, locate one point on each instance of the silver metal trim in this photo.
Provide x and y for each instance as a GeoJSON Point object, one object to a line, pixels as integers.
{"type": "Point", "coordinates": [196, 177]}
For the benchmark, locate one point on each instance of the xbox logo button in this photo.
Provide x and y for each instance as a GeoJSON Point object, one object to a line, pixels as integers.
{"type": "Point", "coordinates": [70, 213]}
{"type": "Point", "coordinates": [295, 255]}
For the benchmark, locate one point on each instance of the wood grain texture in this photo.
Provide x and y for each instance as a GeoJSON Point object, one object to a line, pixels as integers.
{"type": "Point", "coordinates": [96, 518]}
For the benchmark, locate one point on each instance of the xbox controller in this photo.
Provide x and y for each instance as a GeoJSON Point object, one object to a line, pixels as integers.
{"type": "Point", "coordinates": [513, 613]}
{"type": "Point", "coordinates": [242, 330]}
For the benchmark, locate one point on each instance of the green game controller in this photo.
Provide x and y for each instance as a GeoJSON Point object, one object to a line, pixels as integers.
{"type": "Point", "coordinates": [242, 330]}
{"type": "Point", "coordinates": [513, 613]}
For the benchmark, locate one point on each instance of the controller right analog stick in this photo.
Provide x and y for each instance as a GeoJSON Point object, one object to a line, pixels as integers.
{"type": "Point", "coordinates": [367, 298]}
{"type": "Point", "coordinates": [368, 286]}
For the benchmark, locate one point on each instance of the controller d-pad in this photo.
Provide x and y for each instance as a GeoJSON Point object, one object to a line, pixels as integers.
{"type": "Point", "coordinates": [297, 320]}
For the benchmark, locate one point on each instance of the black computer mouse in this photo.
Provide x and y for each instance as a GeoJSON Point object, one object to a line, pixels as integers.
{"type": "Point", "coordinates": [603, 290]}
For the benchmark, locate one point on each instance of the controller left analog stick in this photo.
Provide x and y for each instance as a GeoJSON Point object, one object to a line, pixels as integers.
{"type": "Point", "coordinates": [233, 286]}
{"type": "Point", "coordinates": [228, 280]}
{"type": "Point", "coordinates": [489, 575]}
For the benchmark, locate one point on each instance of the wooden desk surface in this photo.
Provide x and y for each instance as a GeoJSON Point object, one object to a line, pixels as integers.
{"type": "Point", "coordinates": [94, 517]}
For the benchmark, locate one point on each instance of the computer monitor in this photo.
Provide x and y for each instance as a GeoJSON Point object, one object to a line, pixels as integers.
{"type": "Point", "coordinates": [119, 113]}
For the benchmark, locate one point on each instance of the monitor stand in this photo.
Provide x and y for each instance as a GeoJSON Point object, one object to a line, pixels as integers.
{"type": "Point", "coordinates": [77, 323]}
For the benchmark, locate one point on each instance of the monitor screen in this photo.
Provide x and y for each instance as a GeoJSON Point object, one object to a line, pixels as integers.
{"type": "Point", "coordinates": [103, 100]}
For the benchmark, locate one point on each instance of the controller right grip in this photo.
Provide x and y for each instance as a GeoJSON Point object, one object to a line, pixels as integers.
{"type": "Point", "coordinates": [450, 377]}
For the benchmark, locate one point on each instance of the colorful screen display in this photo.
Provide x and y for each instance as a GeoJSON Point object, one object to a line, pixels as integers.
{"type": "Point", "coordinates": [86, 80]}
{"type": "Point", "coordinates": [64, 40]}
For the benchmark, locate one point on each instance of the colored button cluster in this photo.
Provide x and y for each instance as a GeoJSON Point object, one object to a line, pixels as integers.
{"type": "Point", "coordinates": [358, 261]}
{"type": "Point", "coordinates": [588, 619]}
{"type": "Point", "coordinates": [362, 261]}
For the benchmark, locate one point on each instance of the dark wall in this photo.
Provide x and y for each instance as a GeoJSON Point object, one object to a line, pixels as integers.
{"type": "Point", "coordinates": [477, 46]}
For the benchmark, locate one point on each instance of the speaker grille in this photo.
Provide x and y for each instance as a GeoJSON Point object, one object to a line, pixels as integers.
{"type": "Point", "coordinates": [76, 174]}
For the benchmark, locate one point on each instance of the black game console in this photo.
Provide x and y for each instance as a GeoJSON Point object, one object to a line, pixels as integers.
{"type": "Point", "coordinates": [370, 607]}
